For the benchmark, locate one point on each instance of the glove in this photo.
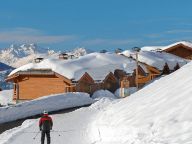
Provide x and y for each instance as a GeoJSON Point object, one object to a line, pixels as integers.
{"type": "Point", "coordinates": [50, 128]}
{"type": "Point", "coordinates": [40, 129]}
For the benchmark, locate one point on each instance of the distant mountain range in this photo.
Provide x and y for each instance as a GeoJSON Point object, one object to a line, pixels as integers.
{"type": "Point", "coordinates": [18, 55]}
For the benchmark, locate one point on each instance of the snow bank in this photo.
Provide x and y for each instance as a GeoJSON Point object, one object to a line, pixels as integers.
{"type": "Point", "coordinates": [49, 103]}
{"type": "Point", "coordinates": [103, 93]}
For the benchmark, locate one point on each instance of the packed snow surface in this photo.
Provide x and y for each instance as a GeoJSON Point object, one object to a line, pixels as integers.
{"type": "Point", "coordinates": [98, 65]}
{"type": "Point", "coordinates": [160, 113]}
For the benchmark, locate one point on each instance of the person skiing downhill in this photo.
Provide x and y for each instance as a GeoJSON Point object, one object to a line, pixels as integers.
{"type": "Point", "coordinates": [45, 125]}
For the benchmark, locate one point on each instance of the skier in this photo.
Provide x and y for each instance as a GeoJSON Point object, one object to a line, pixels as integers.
{"type": "Point", "coordinates": [45, 125]}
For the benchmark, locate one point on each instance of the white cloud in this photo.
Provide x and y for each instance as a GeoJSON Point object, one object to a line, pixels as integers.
{"type": "Point", "coordinates": [29, 35]}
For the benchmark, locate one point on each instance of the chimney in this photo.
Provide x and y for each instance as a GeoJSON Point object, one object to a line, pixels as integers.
{"type": "Point", "coordinates": [38, 60]}
{"type": "Point", "coordinates": [63, 56]}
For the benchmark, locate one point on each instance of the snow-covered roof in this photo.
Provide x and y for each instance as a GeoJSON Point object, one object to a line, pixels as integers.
{"type": "Point", "coordinates": [157, 59]}
{"type": "Point", "coordinates": [149, 48]}
{"type": "Point", "coordinates": [98, 65]}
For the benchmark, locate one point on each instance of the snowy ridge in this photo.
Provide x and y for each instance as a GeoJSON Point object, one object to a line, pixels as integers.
{"type": "Point", "coordinates": [22, 54]}
{"type": "Point", "coordinates": [18, 55]}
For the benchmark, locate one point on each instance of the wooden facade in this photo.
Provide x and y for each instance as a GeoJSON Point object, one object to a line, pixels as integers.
{"type": "Point", "coordinates": [85, 84]}
{"type": "Point", "coordinates": [110, 82]}
{"type": "Point", "coordinates": [143, 77]}
{"type": "Point", "coordinates": [152, 73]}
{"type": "Point", "coordinates": [180, 50]}
{"type": "Point", "coordinates": [32, 85]}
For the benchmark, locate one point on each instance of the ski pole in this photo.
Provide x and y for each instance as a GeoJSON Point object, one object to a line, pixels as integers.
{"type": "Point", "coordinates": [36, 135]}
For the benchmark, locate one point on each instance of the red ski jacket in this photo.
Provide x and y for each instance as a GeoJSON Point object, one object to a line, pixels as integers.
{"type": "Point", "coordinates": [45, 123]}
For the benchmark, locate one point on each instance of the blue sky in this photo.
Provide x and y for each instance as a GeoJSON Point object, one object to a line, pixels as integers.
{"type": "Point", "coordinates": [95, 24]}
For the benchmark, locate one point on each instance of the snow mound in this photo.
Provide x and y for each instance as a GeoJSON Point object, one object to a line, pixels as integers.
{"type": "Point", "coordinates": [103, 93]}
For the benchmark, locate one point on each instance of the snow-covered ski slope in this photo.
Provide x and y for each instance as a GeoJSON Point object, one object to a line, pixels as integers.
{"type": "Point", "coordinates": [160, 113]}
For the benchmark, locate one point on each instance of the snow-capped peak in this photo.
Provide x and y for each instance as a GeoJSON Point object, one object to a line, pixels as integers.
{"type": "Point", "coordinates": [25, 53]}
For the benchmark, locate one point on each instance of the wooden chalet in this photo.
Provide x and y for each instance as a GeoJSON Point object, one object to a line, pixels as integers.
{"type": "Point", "coordinates": [152, 73]}
{"type": "Point", "coordinates": [180, 50]}
{"type": "Point", "coordinates": [35, 83]}
{"type": "Point", "coordinates": [85, 84]}
{"type": "Point", "coordinates": [32, 84]}
{"type": "Point", "coordinates": [143, 77]}
{"type": "Point", "coordinates": [110, 82]}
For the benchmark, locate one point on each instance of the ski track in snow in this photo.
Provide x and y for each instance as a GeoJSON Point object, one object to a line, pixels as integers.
{"type": "Point", "coordinates": [67, 128]}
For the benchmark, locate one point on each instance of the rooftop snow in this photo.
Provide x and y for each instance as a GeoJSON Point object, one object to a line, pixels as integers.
{"type": "Point", "coordinates": [157, 59]}
{"type": "Point", "coordinates": [149, 48]}
{"type": "Point", "coordinates": [98, 65]}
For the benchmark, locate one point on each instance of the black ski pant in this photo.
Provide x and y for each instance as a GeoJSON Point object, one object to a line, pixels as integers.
{"type": "Point", "coordinates": [47, 133]}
